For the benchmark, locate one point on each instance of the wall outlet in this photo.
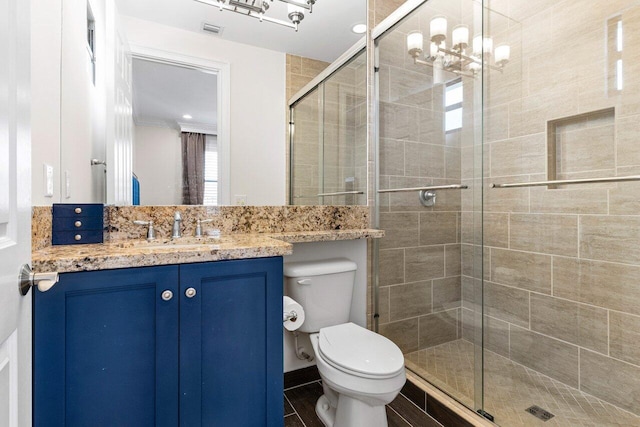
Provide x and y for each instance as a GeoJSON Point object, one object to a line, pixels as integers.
{"type": "Point", "coordinates": [48, 180]}
{"type": "Point", "coordinates": [67, 185]}
{"type": "Point", "coordinates": [240, 199]}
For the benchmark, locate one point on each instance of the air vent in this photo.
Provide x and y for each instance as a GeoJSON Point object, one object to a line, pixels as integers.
{"type": "Point", "coordinates": [210, 28]}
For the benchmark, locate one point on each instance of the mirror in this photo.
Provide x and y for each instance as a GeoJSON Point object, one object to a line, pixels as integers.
{"type": "Point", "coordinates": [104, 45]}
{"type": "Point", "coordinates": [168, 101]}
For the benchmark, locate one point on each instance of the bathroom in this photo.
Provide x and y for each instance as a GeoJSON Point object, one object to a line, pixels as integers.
{"type": "Point", "coordinates": [475, 159]}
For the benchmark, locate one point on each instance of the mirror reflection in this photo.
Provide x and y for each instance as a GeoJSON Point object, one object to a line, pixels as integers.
{"type": "Point", "coordinates": [100, 50]}
{"type": "Point", "coordinates": [175, 155]}
{"type": "Point", "coordinates": [329, 141]}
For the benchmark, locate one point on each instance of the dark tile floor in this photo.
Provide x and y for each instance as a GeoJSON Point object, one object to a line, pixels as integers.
{"type": "Point", "coordinates": [300, 403]}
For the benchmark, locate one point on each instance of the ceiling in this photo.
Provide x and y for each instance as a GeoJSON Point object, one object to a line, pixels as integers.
{"type": "Point", "coordinates": [325, 34]}
{"type": "Point", "coordinates": [163, 93]}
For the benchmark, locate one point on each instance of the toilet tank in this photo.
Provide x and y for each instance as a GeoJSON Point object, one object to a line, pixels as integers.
{"type": "Point", "coordinates": [323, 288]}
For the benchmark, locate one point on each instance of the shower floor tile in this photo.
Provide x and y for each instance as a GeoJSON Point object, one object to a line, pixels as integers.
{"type": "Point", "coordinates": [510, 388]}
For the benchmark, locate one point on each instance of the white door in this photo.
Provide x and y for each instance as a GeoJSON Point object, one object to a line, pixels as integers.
{"type": "Point", "coordinates": [15, 213]}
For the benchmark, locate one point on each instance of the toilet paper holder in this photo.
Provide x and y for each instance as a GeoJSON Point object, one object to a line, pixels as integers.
{"type": "Point", "coordinates": [291, 315]}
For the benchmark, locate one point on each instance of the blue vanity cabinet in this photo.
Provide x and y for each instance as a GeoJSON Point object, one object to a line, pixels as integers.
{"type": "Point", "coordinates": [106, 349]}
{"type": "Point", "coordinates": [109, 350]}
{"type": "Point", "coordinates": [231, 343]}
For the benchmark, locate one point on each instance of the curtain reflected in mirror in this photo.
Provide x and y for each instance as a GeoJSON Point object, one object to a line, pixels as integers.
{"type": "Point", "coordinates": [193, 168]}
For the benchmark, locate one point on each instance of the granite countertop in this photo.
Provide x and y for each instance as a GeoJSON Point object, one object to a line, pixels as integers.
{"type": "Point", "coordinates": [140, 253]}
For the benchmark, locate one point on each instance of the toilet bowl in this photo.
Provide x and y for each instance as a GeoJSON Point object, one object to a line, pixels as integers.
{"type": "Point", "coordinates": [361, 372]}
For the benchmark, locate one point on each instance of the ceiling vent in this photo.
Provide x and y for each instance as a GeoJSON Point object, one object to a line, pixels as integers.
{"type": "Point", "coordinates": [212, 29]}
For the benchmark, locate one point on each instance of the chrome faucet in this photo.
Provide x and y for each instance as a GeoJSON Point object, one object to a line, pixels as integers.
{"type": "Point", "coordinates": [177, 220]}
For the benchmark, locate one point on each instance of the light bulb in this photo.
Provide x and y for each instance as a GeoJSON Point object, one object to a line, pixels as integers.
{"type": "Point", "coordinates": [460, 37]}
{"type": "Point", "coordinates": [502, 54]}
{"type": "Point", "coordinates": [477, 45]}
{"type": "Point", "coordinates": [438, 29]}
{"type": "Point", "coordinates": [487, 45]}
{"type": "Point", "coordinates": [415, 43]}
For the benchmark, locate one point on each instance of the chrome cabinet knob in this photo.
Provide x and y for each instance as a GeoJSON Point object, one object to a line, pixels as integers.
{"type": "Point", "coordinates": [77, 237]}
{"type": "Point", "coordinates": [190, 292]}
{"type": "Point", "coordinates": [78, 210]}
{"type": "Point", "coordinates": [78, 224]}
{"type": "Point", "coordinates": [167, 295]}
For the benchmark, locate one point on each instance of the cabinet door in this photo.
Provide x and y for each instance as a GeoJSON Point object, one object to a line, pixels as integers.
{"type": "Point", "coordinates": [106, 349]}
{"type": "Point", "coordinates": [231, 344]}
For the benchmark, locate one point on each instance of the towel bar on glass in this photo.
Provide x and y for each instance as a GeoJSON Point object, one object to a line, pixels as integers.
{"type": "Point", "coordinates": [569, 182]}
{"type": "Point", "coordinates": [431, 188]}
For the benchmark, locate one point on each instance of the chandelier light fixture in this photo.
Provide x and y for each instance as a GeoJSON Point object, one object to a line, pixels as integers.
{"type": "Point", "coordinates": [456, 59]}
{"type": "Point", "coordinates": [258, 8]}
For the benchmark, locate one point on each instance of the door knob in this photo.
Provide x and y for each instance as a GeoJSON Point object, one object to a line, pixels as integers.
{"type": "Point", "coordinates": [190, 292]}
{"type": "Point", "coordinates": [167, 295]}
{"type": "Point", "coordinates": [27, 279]}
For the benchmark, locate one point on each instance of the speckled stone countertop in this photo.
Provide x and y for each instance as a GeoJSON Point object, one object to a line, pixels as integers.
{"type": "Point", "coordinates": [129, 254]}
{"type": "Point", "coordinates": [247, 232]}
{"type": "Point", "coordinates": [140, 253]}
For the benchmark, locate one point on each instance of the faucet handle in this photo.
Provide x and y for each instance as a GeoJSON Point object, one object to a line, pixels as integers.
{"type": "Point", "coordinates": [151, 232]}
{"type": "Point", "coordinates": [199, 223]}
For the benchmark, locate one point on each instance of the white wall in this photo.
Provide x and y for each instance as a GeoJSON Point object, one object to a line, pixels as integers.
{"type": "Point", "coordinates": [158, 165]}
{"type": "Point", "coordinates": [355, 250]}
{"type": "Point", "coordinates": [46, 18]}
{"type": "Point", "coordinates": [83, 104]}
{"type": "Point", "coordinates": [257, 98]}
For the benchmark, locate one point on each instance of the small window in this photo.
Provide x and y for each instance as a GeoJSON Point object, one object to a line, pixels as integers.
{"type": "Point", "coordinates": [453, 97]}
{"type": "Point", "coordinates": [91, 42]}
{"type": "Point", "coordinates": [615, 44]}
{"type": "Point", "coordinates": [211, 171]}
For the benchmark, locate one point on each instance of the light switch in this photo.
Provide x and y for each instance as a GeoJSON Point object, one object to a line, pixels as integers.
{"type": "Point", "coordinates": [48, 180]}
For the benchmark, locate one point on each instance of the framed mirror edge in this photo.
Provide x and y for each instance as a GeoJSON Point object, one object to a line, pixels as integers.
{"type": "Point", "coordinates": [223, 71]}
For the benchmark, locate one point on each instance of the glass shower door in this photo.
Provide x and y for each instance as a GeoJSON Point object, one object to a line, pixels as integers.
{"type": "Point", "coordinates": [429, 196]}
{"type": "Point", "coordinates": [560, 295]}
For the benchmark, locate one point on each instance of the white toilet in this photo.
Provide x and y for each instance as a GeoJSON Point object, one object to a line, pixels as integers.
{"type": "Point", "coordinates": [361, 371]}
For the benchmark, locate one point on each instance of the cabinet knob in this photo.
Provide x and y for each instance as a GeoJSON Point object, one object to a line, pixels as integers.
{"type": "Point", "coordinates": [78, 224]}
{"type": "Point", "coordinates": [167, 295]}
{"type": "Point", "coordinates": [77, 237]}
{"type": "Point", "coordinates": [78, 210]}
{"type": "Point", "coordinates": [190, 292]}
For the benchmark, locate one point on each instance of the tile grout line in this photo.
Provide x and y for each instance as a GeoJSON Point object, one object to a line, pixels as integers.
{"type": "Point", "coordinates": [295, 411]}
{"type": "Point", "coordinates": [398, 414]}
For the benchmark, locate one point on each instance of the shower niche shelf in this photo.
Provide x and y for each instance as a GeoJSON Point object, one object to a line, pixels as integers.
{"type": "Point", "coordinates": [581, 146]}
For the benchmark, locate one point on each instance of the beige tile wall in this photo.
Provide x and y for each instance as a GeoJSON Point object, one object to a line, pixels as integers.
{"type": "Point", "coordinates": [330, 141]}
{"type": "Point", "coordinates": [420, 257]}
{"type": "Point", "coordinates": [562, 265]}
{"type": "Point", "coordinates": [299, 72]}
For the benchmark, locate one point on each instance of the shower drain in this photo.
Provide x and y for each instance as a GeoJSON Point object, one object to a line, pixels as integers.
{"type": "Point", "coordinates": [540, 413]}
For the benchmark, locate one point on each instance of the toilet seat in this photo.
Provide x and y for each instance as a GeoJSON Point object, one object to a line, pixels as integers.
{"type": "Point", "coordinates": [357, 351]}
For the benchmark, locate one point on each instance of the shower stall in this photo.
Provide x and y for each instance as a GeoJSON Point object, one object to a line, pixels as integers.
{"type": "Point", "coordinates": [507, 165]}
{"type": "Point", "coordinates": [328, 135]}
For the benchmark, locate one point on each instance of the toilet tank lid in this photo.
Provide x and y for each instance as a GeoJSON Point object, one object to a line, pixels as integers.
{"type": "Point", "coordinates": [319, 268]}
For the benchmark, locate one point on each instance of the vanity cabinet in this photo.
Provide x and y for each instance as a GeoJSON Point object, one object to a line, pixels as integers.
{"type": "Point", "coordinates": [191, 345]}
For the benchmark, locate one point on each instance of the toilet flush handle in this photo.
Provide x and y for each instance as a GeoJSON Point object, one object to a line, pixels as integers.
{"type": "Point", "coordinates": [304, 282]}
